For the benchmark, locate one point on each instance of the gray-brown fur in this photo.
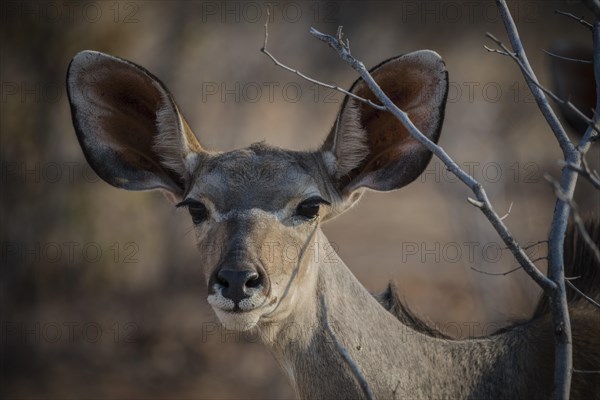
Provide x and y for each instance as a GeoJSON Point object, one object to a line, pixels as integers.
{"type": "Point", "coordinates": [253, 205]}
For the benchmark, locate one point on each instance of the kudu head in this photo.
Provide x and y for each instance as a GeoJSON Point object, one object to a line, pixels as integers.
{"type": "Point", "coordinates": [256, 211]}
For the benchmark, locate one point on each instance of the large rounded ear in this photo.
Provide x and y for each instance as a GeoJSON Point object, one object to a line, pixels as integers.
{"type": "Point", "coordinates": [370, 148]}
{"type": "Point", "coordinates": [128, 125]}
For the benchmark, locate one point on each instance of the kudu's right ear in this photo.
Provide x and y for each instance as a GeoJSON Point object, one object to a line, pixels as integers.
{"type": "Point", "coordinates": [128, 125]}
{"type": "Point", "coordinates": [370, 148]}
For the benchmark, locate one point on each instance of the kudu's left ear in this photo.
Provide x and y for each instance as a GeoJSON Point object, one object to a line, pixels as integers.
{"type": "Point", "coordinates": [128, 125]}
{"type": "Point", "coordinates": [370, 148]}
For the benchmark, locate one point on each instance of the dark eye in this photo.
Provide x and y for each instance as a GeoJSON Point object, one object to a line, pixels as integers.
{"type": "Point", "coordinates": [196, 209]}
{"type": "Point", "coordinates": [309, 208]}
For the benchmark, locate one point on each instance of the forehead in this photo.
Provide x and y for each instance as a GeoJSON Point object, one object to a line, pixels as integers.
{"type": "Point", "coordinates": [256, 177]}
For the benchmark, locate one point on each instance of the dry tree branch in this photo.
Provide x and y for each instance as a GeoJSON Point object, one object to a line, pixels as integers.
{"type": "Point", "coordinates": [594, 6]}
{"type": "Point", "coordinates": [551, 54]}
{"type": "Point", "coordinates": [585, 171]}
{"type": "Point", "coordinates": [309, 79]}
{"type": "Point", "coordinates": [581, 20]}
{"type": "Point", "coordinates": [563, 358]}
{"type": "Point", "coordinates": [502, 218]}
{"type": "Point", "coordinates": [585, 296]}
{"type": "Point", "coordinates": [576, 218]}
{"type": "Point", "coordinates": [531, 79]}
{"type": "Point", "coordinates": [496, 273]}
{"type": "Point", "coordinates": [507, 272]}
{"type": "Point", "coordinates": [356, 371]}
{"type": "Point", "coordinates": [482, 201]}
{"type": "Point", "coordinates": [529, 246]}
{"type": "Point", "coordinates": [581, 371]}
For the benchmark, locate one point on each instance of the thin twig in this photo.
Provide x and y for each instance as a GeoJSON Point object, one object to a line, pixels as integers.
{"type": "Point", "coordinates": [496, 273]}
{"type": "Point", "coordinates": [532, 80]}
{"type": "Point", "coordinates": [507, 213]}
{"type": "Point", "coordinates": [590, 135]}
{"type": "Point", "coordinates": [594, 7]}
{"type": "Point", "coordinates": [577, 60]}
{"type": "Point", "coordinates": [475, 203]}
{"type": "Point", "coordinates": [585, 171]}
{"type": "Point", "coordinates": [507, 272]}
{"type": "Point", "coordinates": [309, 79]}
{"type": "Point", "coordinates": [529, 246]}
{"type": "Point", "coordinates": [581, 371]}
{"type": "Point", "coordinates": [585, 296]}
{"type": "Point", "coordinates": [579, 224]}
{"type": "Point", "coordinates": [581, 20]}
{"type": "Point", "coordinates": [356, 371]}
{"type": "Point", "coordinates": [501, 52]}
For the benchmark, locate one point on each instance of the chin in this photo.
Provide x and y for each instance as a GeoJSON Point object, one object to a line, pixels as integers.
{"type": "Point", "coordinates": [238, 321]}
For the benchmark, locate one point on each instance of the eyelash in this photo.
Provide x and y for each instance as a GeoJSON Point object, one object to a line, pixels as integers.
{"type": "Point", "coordinates": [197, 210]}
{"type": "Point", "coordinates": [309, 208]}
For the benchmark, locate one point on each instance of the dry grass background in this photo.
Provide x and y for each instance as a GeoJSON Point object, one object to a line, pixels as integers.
{"type": "Point", "coordinates": [166, 346]}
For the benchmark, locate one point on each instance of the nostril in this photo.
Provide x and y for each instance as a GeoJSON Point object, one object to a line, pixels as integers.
{"type": "Point", "coordinates": [222, 280]}
{"type": "Point", "coordinates": [253, 280]}
{"type": "Point", "coordinates": [237, 284]}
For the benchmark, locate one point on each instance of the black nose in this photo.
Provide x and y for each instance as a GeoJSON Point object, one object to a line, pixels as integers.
{"type": "Point", "coordinates": [236, 283]}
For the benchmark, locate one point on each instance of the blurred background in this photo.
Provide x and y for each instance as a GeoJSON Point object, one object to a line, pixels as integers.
{"type": "Point", "coordinates": [101, 289]}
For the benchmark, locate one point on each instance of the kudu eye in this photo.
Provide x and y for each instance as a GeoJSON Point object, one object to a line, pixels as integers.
{"type": "Point", "coordinates": [197, 210]}
{"type": "Point", "coordinates": [309, 208]}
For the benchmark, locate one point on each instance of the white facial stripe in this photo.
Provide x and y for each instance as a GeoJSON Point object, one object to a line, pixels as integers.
{"type": "Point", "coordinates": [253, 212]}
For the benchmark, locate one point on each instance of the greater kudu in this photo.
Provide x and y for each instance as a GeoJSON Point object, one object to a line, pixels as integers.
{"type": "Point", "coordinates": [254, 202]}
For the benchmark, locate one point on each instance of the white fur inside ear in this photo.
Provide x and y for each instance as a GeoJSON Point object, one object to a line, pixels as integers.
{"type": "Point", "coordinates": [169, 142]}
{"type": "Point", "coordinates": [191, 161]}
{"type": "Point", "coordinates": [330, 162]}
{"type": "Point", "coordinates": [350, 142]}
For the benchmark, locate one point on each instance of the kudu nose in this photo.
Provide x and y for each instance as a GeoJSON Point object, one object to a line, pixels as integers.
{"type": "Point", "coordinates": [237, 284]}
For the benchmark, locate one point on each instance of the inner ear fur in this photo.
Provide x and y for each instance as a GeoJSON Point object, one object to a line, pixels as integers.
{"type": "Point", "coordinates": [128, 125]}
{"type": "Point", "coordinates": [379, 152]}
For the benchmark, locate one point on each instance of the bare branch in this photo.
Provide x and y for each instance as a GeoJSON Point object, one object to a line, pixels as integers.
{"type": "Point", "coordinates": [507, 272]}
{"type": "Point", "coordinates": [309, 79]}
{"type": "Point", "coordinates": [585, 296]}
{"type": "Point", "coordinates": [501, 52]}
{"type": "Point", "coordinates": [585, 171]}
{"type": "Point", "coordinates": [521, 58]}
{"type": "Point", "coordinates": [496, 273]}
{"type": "Point", "coordinates": [481, 201]}
{"type": "Point", "coordinates": [581, 371]}
{"type": "Point", "coordinates": [507, 213]}
{"type": "Point", "coordinates": [572, 278]}
{"type": "Point", "coordinates": [567, 58]}
{"type": "Point", "coordinates": [345, 355]}
{"type": "Point", "coordinates": [475, 203]}
{"type": "Point", "coordinates": [529, 246]}
{"type": "Point", "coordinates": [541, 99]}
{"type": "Point", "coordinates": [594, 6]}
{"type": "Point", "coordinates": [576, 218]}
{"type": "Point", "coordinates": [563, 356]}
{"type": "Point", "coordinates": [581, 20]}
{"type": "Point", "coordinates": [589, 135]}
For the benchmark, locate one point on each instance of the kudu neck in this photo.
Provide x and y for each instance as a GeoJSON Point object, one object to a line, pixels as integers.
{"type": "Point", "coordinates": [397, 360]}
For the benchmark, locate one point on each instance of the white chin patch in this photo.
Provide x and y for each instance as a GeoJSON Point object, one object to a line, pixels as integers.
{"type": "Point", "coordinates": [251, 310]}
{"type": "Point", "coordinates": [237, 321]}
